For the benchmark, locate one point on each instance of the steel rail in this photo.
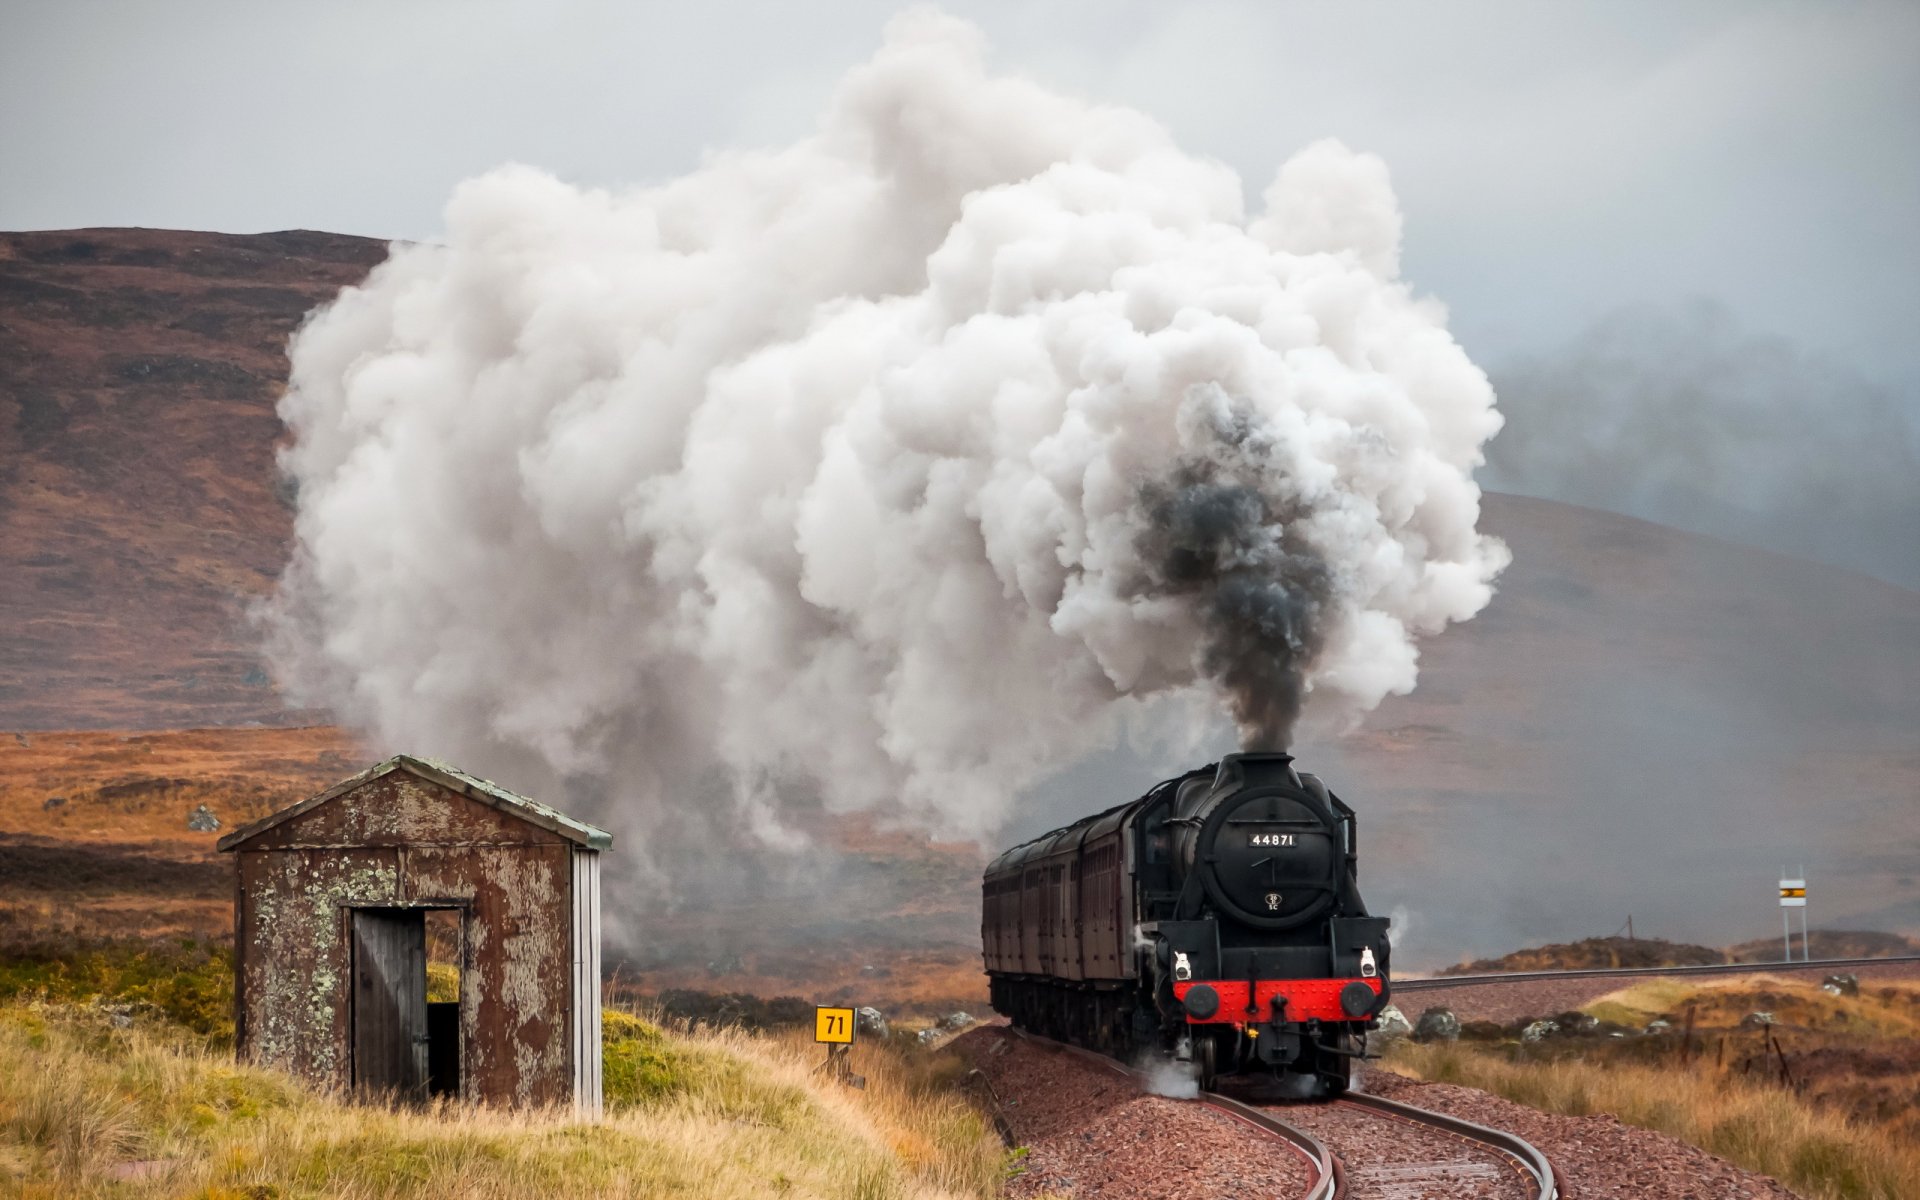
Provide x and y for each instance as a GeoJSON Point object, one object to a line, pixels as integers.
{"type": "Point", "coordinates": [1546, 1179]}
{"type": "Point", "coordinates": [1321, 1164]}
{"type": "Point", "coordinates": [1446, 981]}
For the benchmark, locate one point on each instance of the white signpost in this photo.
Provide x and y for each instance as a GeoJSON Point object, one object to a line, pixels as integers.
{"type": "Point", "coordinates": [1793, 894]}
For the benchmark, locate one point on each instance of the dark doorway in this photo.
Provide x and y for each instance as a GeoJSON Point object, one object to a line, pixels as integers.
{"type": "Point", "coordinates": [406, 1001]}
{"type": "Point", "coordinates": [389, 1011]}
{"type": "Point", "coordinates": [446, 959]}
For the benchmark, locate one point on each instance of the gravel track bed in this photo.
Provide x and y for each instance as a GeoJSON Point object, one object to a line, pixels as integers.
{"type": "Point", "coordinates": [1091, 1133]}
{"type": "Point", "coordinates": [1388, 1158]}
{"type": "Point", "coordinates": [1505, 1002]}
{"type": "Point", "coordinates": [1601, 1158]}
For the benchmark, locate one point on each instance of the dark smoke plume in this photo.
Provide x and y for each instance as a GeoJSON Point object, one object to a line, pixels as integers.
{"type": "Point", "coordinates": [1260, 588]}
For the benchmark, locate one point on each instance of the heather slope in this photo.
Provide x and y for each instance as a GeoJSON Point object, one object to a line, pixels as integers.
{"type": "Point", "coordinates": [138, 503]}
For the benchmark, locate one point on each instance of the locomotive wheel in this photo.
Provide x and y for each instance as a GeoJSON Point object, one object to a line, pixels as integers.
{"type": "Point", "coordinates": [1206, 1065]}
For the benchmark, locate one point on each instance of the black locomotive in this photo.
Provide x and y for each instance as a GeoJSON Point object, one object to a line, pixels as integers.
{"type": "Point", "coordinates": [1216, 918]}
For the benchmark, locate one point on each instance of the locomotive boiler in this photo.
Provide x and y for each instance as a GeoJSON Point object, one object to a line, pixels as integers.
{"type": "Point", "coordinates": [1217, 918]}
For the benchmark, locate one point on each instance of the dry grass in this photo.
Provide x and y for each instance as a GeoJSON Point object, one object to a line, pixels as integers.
{"type": "Point", "coordinates": [1883, 1008]}
{"type": "Point", "coordinates": [87, 1109]}
{"type": "Point", "coordinates": [1821, 1154]}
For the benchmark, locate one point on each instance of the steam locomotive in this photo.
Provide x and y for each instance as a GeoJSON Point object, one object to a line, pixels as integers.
{"type": "Point", "coordinates": [1216, 918]}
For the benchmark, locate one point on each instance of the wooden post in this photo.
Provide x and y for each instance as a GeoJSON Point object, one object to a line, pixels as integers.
{"type": "Point", "coordinates": [1686, 1038]}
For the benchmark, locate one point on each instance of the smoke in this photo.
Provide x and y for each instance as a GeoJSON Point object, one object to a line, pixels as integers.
{"type": "Point", "coordinates": [887, 471]}
{"type": "Point", "coordinates": [1166, 1076]}
{"type": "Point", "coordinates": [1401, 927]}
{"type": "Point", "coordinates": [1680, 416]}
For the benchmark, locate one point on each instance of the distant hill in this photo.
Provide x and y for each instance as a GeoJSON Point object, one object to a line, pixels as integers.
{"type": "Point", "coordinates": [1593, 954]}
{"type": "Point", "coordinates": [1828, 943]}
{"type": "Point", "coordinates": [138, 506]}
{"type": "Point", "coordinates": [1618, 952]}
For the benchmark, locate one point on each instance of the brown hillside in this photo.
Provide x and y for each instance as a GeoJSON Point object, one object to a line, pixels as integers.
{"type": "Point", "coordinates": [1646, 722]}
{"type": "Point", "coordinates": [138, 513]}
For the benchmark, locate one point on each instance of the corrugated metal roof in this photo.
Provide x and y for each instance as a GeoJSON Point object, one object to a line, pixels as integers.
{"type": "Point", "coordinates": [453, 779]}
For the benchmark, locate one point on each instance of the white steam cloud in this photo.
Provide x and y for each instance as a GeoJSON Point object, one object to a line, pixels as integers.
{"type": "Point", "coordinates": [885, 471]}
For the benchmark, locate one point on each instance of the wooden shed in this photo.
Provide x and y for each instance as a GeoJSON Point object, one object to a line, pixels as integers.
{"type": "Point", "coordinates": [342, 899]}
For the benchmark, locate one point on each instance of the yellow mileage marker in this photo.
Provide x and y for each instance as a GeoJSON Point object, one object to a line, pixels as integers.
{"type": "Point", "coordinates": [833, 1025]}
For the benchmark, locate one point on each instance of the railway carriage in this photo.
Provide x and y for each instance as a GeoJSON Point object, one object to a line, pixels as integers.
{"type": "Point", "coordinates": [1217, 918]}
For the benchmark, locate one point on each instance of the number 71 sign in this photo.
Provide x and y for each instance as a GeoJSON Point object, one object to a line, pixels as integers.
{"type": "Point", "coordinates": [833, 1025]}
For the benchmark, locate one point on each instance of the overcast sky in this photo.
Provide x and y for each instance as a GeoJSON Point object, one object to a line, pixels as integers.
{"type": "Point", "coordinates": [1555, 161]}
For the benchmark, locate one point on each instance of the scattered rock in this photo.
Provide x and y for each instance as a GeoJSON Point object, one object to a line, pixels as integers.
{"type": "Point", "coordinates": [53, 802]}
{"type": "Point", "coordinates": [1539, 1031]}
{"type": "Point", "coordinates": [1577, 1022]}
{"type": "Point", "coordinates": [956, 1020]}
{"type": "Point", "coordinates": [22, 739]}
{"type": "Point", "coordinates": [1437, 1025]}
{"type": "Point", "coordinates": [202, 820]}
{"type": "Point", "coordinates": [1841, 985]}
{"type": "Point", "coordinates": [929, 1036]}
{"type": "Point", "coordinates": [1393, 1023]}
{"type": "Point", "coordinates": [1756, 1020]}
{"type": "Point", "coordinates": [869, 1020]}
{"type": "Point", "coordinates": [1658, 1025]}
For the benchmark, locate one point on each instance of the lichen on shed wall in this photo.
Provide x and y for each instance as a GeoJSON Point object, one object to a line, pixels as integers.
{"type": "Point", "coordinates": [298, 957]}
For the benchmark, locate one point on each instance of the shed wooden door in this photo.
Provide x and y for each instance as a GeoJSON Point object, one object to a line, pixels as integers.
{"type": "Point", "coordinates": [390, 1000]}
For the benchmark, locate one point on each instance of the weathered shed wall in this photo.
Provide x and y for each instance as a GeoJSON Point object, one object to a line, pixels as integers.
{"type": "Point", "coordinates": [402, 841]}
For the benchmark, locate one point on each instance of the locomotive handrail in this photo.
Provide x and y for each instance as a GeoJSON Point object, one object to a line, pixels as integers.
{"type": "Point", "coordinates": [1403, 984]}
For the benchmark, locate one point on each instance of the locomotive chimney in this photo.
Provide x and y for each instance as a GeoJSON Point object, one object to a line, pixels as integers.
{"type": "Point", "coordinates": [1252, 769]}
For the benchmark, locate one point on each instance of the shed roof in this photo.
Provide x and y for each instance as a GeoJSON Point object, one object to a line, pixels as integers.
{"type": "Point", "coordinates": [454, 780]}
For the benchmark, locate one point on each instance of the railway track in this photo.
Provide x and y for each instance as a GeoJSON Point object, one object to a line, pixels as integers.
{"type": "Point", "coordinates": [1385, 1150]}
{"type": "Point", "coordinates": [1423, 1154]}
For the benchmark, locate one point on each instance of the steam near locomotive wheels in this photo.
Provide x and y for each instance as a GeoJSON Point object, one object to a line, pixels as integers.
{"type": "Point", "coordinates": [1217, 919]}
